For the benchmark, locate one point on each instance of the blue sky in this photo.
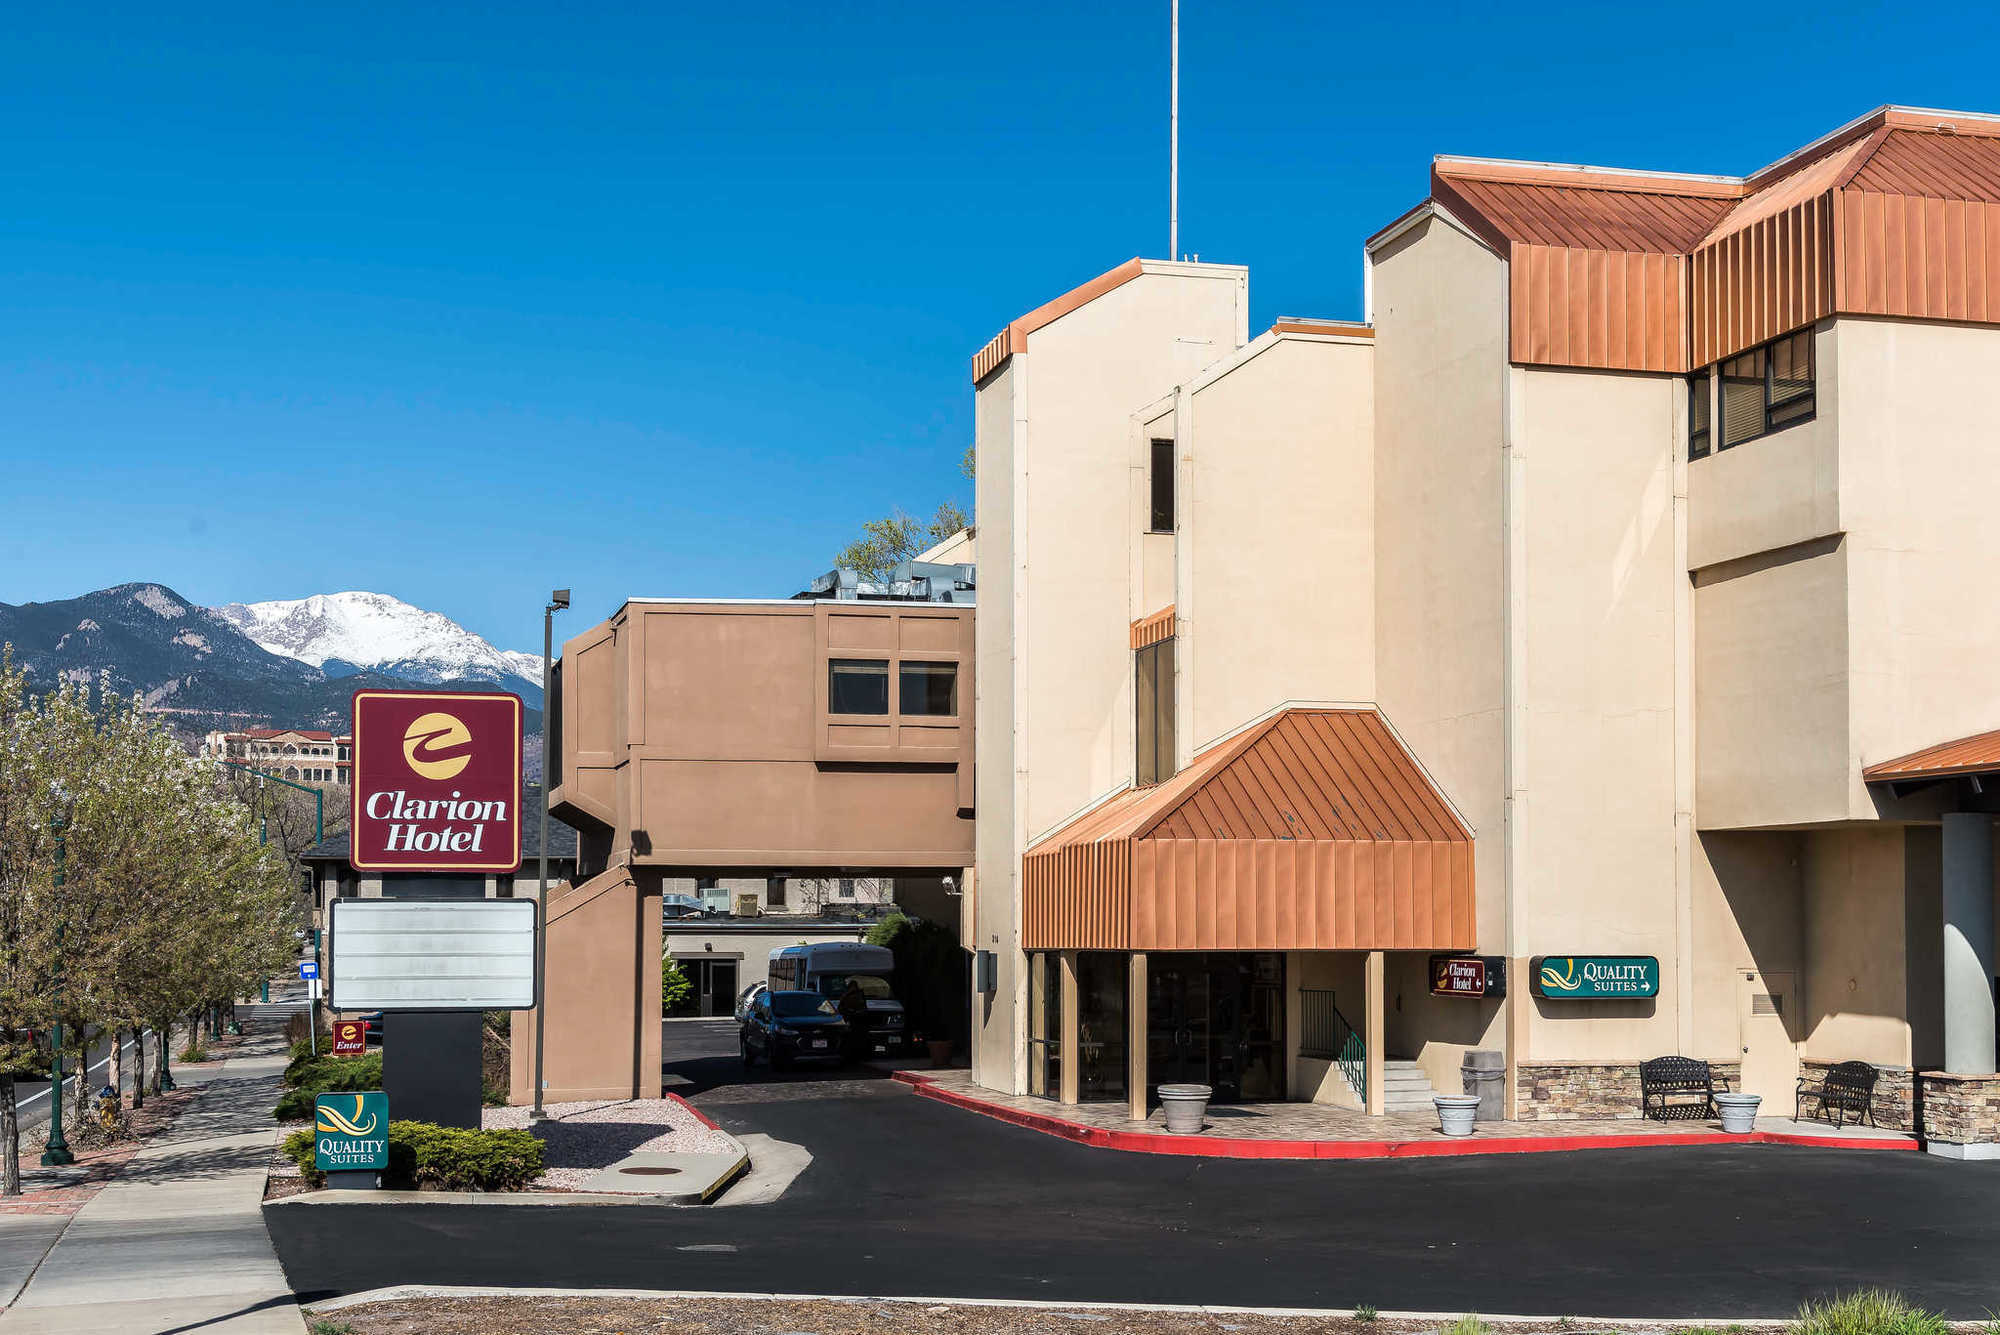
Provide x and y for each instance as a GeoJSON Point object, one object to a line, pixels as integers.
{"type": "Point", "coordinates": [461, 303]}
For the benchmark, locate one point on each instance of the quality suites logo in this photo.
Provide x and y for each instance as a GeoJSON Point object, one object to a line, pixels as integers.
{"type": "Point", "coordinates": [437, 746]}
{"type": "Point", "coordinates": [1564, 981]}
{"type": "Point", "coordinates": [347, 1124]}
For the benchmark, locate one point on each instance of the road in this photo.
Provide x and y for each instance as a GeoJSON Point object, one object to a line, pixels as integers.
{"type": "Point", "coordinates": [31, 1097]}
{"type": "Point", "coordinates": [909, 1197]}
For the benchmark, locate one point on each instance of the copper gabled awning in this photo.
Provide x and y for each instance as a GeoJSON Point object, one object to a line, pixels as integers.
{"type": "Point", "coordinates": [1313, 830]}
{"type": "Point", "coordinates": [1978, 754]}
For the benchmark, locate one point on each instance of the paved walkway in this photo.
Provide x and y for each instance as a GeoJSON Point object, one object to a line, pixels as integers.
{"type": "Point", "coordinates": [177, 1243]}
{"type": "Point", "coordinates": [1315, 1130]}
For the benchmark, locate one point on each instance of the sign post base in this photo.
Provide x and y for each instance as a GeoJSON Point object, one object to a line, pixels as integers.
{"type": "Point", "coordinates": [349, 1180]}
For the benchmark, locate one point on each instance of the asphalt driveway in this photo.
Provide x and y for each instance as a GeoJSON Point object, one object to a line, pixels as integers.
{"type": "Point", "coordinates": [909, 1197]}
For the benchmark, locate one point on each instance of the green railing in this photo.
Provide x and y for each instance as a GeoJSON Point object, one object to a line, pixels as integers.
{"type": "Point", "coordinates": [1326, 1034]}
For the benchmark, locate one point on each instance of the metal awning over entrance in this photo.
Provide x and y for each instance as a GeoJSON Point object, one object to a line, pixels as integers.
{"type": "Point", "coordinates": [1978, 754]}
{"type": "Point", "coordinates": [1313, 830]}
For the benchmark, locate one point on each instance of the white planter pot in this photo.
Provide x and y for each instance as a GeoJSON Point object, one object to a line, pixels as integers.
{"type": "Point", "coordinates": [1185, 1107]}
{"type": "Point", "coordinates": [1455, 1112]}
{"type": "Point", "coordinates": [1738, 1111]}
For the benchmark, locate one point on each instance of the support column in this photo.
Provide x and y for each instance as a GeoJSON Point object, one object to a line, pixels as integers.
{"type": "Point", "coordinates": [1968, 943]}
{"type": "Point", "coordinates": [1070, 1035]}
{"type": "Point", "coordinates": [1135, 1037]}
{"type": "Point", "coordinates": [1373, 1027]}
{"type": "Point", "coordinates": [1038, 1025]}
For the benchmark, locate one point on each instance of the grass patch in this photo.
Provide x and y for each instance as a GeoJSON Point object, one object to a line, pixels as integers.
{"type": "Point", "coordinates": [321, 1326]}
{"type": "Point", "coordinates": [1469, 1324]}
{"type": "Point", "coordinates": [1366, 1312]}
{"type": "Point", "coordinates": [1867, 1312]}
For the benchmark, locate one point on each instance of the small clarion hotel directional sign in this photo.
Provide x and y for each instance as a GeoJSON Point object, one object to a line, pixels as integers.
{"type": "Point", "coordinates": [437, 781]}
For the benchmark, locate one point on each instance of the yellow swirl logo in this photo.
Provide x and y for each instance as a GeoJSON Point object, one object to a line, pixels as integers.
{"type": "Point", "coordinates": [1565, 981]}
{"type": "Point", "coordinates": [437, 746]}
{"type": "Point", "coordinates": [331, 1119]}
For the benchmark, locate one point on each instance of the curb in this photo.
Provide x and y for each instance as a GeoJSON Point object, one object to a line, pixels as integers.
{"type": "Point", "coordinates": [1154, 1142]}
{"type": "Point", "coordinates": [405, 1292]}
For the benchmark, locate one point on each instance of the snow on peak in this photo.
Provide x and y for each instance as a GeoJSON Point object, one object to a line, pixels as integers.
{"type": "Point", "coordinates": [356, 630]}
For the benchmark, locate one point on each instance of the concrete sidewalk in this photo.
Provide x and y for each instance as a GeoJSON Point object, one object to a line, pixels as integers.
{"type": "Point", "coordinates": [177, 1243]}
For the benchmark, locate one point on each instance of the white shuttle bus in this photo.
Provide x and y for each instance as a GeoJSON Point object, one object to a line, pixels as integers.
{"type": "Point", "coordinates": [828, 967]}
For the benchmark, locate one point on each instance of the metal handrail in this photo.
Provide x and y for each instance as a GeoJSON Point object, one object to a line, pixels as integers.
{"type": "Point", "coordinates": [1326, 1035]}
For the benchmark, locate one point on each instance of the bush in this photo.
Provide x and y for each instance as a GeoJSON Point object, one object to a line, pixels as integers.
{"type": "Point", "coordinates": [1867, 1312]}
{"type": "Point", "coordinates": [676, 988]}
{"type": "Point", "coordinates": [1469, 1324]}
{"type": "Point", "coordinates": [192, 1053]}
{"type": "Point", "coordinates": [444, 1158]}
{"type": "Point", "coordinates": [328, 1075]}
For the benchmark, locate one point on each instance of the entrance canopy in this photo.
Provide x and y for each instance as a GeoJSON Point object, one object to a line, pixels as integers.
{"type": "Point", "coordinates": [1975, 755]}
{"type": "Point", "coordinates": [1314, 830]}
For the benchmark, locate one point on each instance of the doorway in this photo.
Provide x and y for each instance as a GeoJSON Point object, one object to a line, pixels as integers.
{"type": "Point", "coordinates": [714, 992]}
{"type": "Point", "coordinates": [1768, 1010]}
{"type": "Point", "coordinates": [1217, 1019]}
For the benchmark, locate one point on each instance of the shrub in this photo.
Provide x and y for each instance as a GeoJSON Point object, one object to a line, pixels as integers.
{"type": "Point", "coordinates": [676, 988]}
{"type": "Point", "coordinates": [1469, 1324]}
{"type": "Point", "coordinates": [1366, 1312]}
{"type": "Point", "coordinates": [193, 1052]}
{"type": "Point", "coordinates": [1866, 1312]}
{"type": "Point", "coordinates": [321, 1326]}
{"type": "Point", "coordinates": [445, 1158]}
{"type": "Point", "coordinates": [328, 1075]}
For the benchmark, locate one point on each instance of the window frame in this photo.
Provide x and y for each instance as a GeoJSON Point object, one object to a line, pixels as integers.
{"type": "Point", "coordinates": [1701, 389]}
{"type": "Point", "coordinates": [887, 711]}
{"type": "Point", "coordinates": [1769, 420]}
{"type": "Point", "coordinates": [903, 709]}
{"type": "Point", "coordinates": [1159, 473]}
{"type": "Point", "coordinates": [1162, 734]}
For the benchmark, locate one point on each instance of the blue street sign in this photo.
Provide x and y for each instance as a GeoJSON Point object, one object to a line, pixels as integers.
{"type": "Point", "coordinates": [308, 969]}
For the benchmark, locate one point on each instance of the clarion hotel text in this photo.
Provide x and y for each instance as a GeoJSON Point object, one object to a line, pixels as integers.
{"type": "Point", "coordinates": [414, 829]}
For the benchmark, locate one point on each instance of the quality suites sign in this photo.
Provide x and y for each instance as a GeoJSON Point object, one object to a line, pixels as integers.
{"type": "Point", "coordinates": [1594, 977]}
{"type": "Point", "coordinates": [437, 781]}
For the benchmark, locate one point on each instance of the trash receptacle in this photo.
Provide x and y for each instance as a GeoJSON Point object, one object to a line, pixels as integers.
{"type": "Point", "coordinates": [1484, 1072]}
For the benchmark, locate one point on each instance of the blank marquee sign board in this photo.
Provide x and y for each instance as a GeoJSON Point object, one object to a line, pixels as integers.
{"type": "Point", "coordinates": [433, 954]}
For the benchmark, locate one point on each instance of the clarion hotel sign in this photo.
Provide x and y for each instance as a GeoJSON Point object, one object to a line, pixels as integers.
{"type": "Point", "coordinates": [437, 781]}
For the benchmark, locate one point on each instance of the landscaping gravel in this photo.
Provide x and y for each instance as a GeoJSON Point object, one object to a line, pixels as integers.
{"type": "Point", "coordinates": [580, 1140]}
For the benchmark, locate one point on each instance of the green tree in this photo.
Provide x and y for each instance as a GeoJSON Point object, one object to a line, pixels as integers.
{"type": "Point", "coordinates": [886, 543]}
{"type": "Point", "coordinates": [675, 986]}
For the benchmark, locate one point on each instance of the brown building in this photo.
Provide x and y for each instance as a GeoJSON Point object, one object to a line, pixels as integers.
{"type": "Point", "coordinates": [812, 737]}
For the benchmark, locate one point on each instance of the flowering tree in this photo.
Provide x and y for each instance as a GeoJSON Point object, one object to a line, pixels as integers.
{"type": "Point", "coordinates": [167, 902]}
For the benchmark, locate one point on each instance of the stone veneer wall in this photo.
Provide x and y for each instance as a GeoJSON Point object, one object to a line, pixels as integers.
{"type": "Point", "coordinates": [1556, 1091]}
{"type": "Point", "coordinates": [1895, 1102]}
{"type": "Point", "coordinates": [1961, 1109]}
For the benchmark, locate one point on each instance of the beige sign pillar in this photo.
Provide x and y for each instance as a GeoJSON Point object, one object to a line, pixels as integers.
{"type": "Point", "coordinates": [1374, 1025]}
{"type": "Point", "coordinates": [1135, 1037]}
{"type": "Point", "coordinates": [1520, 1008]}
{"type": "Point", "coordinates": [1070, 1043]}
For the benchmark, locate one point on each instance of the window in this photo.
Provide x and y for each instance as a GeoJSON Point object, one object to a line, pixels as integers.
{"type": "Point", "coordinates": [1700, 411]}
{"type": "Point", "coordinates": [857, 686]}
{"type": "Point", "coordinates": [1153, 669]}
{"type": "Point", "coordinates": [927, 688]}
{"type": "Point", "coordinates": [1163, 486]}
{"type": "Point", "coordinates": [774, 892]}
{"type": "Point", "coordinates": [1767, 389]}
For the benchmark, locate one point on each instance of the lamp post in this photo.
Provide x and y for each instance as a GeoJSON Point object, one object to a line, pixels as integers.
{"type": "Point", "coordinates": [558, 600]}
{"type": "Point", "coordinates": [57, 1154]}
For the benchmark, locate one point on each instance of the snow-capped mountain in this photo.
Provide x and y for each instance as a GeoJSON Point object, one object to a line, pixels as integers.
{"type": "Point", "coordinates": [346, 633]}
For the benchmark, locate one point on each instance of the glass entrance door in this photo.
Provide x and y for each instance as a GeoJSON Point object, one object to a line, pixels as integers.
{"type": "Point", "coordinates": [1217, 1019]}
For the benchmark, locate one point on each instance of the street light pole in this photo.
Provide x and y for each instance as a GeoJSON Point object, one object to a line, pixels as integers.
{"type": "Point", "coordinates": [57, 1154]}
{"type": "Point", "coordinates": [558, 600]}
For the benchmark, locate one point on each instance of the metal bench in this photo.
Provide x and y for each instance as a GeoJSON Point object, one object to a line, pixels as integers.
{"type": "Point", "coordinates": [1676, 1089]}
{"type": "Point", "coordinates": [1844, 1089]}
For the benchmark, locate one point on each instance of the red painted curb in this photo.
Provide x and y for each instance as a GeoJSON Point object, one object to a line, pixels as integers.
{"type": "Point", "coordinates": [1154, 1142]}
{"type": "Point", "coordinates": [699, 1115]}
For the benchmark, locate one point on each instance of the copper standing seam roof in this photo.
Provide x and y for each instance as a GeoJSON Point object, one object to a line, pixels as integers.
{"type": "Point", "coordinates": [1153, 628]}
{"type": "Point", "coordinates": [1978, 754]}
{"type": "Point", "coordinates": [1897, 214]}
{"type": "Point", "coordinates": [1313, 830]}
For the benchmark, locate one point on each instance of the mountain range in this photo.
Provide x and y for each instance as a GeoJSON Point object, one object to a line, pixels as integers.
{"type": "Point", "coordinates": [282, 664]}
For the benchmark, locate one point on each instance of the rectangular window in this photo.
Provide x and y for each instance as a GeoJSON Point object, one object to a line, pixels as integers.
{"type": "Point", "coordinates": [1163, 486]}
{"type": "Point", "coordinates": [927, 688]}
{"type": "Point", "coordinates": [1768, 389]}
{"type": "Point", "coordinates": [1699, 412]}
{"type": "Point", "coordinates": [857, 686]}
{"type": "Point", "coordinates": [1153, 676]}
{"type": "Point", "coordinates": [774, 892]}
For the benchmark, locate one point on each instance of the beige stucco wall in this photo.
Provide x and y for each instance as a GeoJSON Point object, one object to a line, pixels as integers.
{"type": "Point", "coordinates": [1856, 988]}
{"type": "Point", "coordinates": [1053, 431]}
{"type": "Point", "coordinates": [1440, 307]}
{"type": "Point", "coordinates": [1277, 534]}
{"type": "Point", "coordinates": [1596, 761]}
{"type": "Point", "coordinates": [1749, 907]}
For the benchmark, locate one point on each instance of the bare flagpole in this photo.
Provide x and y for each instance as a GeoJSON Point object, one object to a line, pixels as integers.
{"type": "Point", "coordinates": [1174, 145]}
